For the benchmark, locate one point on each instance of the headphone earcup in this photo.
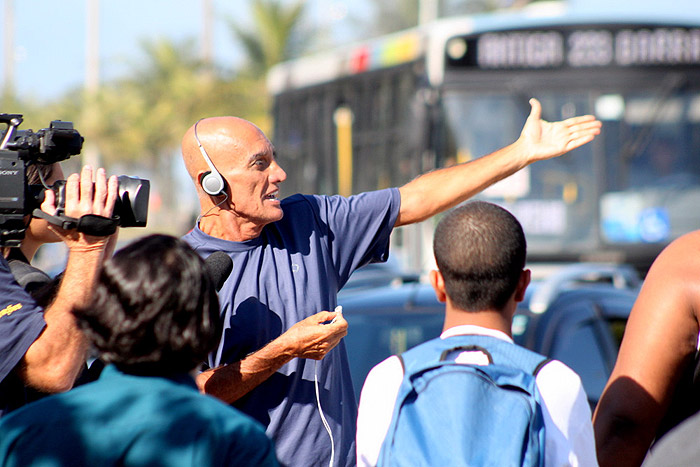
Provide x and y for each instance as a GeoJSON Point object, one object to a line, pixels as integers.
{"type": "Point", "coordinates": [213, 184]}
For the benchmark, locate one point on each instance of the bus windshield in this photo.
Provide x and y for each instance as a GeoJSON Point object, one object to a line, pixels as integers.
{"type": "Point", "coordinates": [641, 176]}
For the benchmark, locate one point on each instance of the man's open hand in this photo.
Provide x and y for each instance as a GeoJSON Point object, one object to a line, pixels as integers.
{"type": "Point", "coordinates": [541, 139]}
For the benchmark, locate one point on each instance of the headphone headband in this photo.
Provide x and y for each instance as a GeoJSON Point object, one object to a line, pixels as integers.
{"type": "Point", "coordinates": [212, 182]}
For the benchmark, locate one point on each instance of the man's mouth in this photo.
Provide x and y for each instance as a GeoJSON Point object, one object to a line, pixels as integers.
{"type": "Point", "coordinates": [272, 196]}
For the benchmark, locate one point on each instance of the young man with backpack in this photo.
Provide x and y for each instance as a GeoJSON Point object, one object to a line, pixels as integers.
{"type": "Point", "coordinates": [472, 396]}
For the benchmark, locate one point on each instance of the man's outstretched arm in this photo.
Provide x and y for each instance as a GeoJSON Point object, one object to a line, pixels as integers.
{"type": "Point", "coordinates": [308, 338]}
{"type": "Point", "coordinates": [439, 190]}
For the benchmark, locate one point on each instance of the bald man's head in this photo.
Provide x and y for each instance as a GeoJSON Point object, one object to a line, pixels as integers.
{"type": "Point", "coordinates": [222, 138]}
{"type": "Point", "coordinates": [245, 159]}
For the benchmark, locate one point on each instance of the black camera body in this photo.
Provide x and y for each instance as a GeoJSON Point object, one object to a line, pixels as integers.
{"type": "Point", "coordinates": [20, 149]}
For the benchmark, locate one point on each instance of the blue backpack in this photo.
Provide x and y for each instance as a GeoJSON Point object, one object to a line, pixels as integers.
{"type": "Point", "coordinates": [450, 413]}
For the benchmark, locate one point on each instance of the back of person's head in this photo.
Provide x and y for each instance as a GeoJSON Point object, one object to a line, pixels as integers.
{"type": "Point", "coordinates": [480, 251]}
{"type": "Point", "coordinates": [155, 310]}
{"type": "Point", "coordinates": [35, 173]}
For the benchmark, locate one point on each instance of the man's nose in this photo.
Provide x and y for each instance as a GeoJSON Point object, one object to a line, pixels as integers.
{"type": "Point", "coordinates": [278, 173]}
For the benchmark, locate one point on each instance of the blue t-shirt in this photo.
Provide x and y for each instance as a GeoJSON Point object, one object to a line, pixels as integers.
{"type": "Point", "coordinates": [21, 322]}
{"type": "Point", "coordinates": [122, 419]}
{"type": "Point", "coordinates": [293, 270]}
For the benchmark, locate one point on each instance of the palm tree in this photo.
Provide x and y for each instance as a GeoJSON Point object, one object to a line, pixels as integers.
{"type": "Point", "coordinates": [140, 119]}
{"type": "Point", "coordinates": [276, 35]}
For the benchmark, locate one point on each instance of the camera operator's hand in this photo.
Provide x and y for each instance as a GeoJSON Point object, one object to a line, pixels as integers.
{"type": "Point", "coordinates": [84, 197]}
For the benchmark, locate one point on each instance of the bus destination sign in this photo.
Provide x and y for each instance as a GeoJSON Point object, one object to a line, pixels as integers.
{"type": "Point", "coordinates": [577, 48]}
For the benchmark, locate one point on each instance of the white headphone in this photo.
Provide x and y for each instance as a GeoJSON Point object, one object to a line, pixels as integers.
{"type": "Point", "coordinates": [212, 182]}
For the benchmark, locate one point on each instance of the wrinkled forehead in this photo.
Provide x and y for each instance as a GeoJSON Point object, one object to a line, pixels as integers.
{"type": "Point", "coordinates": [253, 141]}
{"type": "Point", "coordinates": [237, 140]}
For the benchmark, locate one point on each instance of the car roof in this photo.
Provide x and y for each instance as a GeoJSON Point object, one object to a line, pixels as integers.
{"type": "Point", "coordinates": [403, 298]}
{"type": "Point", "coordinates": [572, 282]}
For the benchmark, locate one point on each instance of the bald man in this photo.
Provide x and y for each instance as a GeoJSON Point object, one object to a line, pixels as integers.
{"type": "Point", "coordinates": [292, 256]}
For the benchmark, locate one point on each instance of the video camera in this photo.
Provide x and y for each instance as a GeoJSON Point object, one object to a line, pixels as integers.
{"type": "Point", "coordinates": [20, 149]}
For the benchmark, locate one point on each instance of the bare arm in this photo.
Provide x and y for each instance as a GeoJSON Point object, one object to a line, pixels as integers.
{"type": "Point", "coordinates": [306, 339]}
{"type": "Point", "coordinates": [660, 339]}
{"type": "Point", "coordinates": [54, 360]}
{"type": "Point", "coordinates": [442, 189]}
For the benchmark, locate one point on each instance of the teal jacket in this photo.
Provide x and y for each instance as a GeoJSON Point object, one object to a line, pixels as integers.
{"type": "Point", "coordinates": [122, 419]}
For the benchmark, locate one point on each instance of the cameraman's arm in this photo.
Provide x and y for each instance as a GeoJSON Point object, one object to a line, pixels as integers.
{"type": "Point", "coordinates": [55, 359]}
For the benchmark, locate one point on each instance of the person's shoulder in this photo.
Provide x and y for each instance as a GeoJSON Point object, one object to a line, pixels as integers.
{"type": "Point", "coordinates": [690, 238]}
{"type": "Point", "coordinates": [562, 392]}
{"type": "Point", "coordinates": [553, 365]}
{"type": "Point", "coordinates": [179, 392]}
{"type": "Point", "coordinates": [241, 439]}
{"type": "Point", "coordinates": [555, 370]}
{"type": "Point", "coordinates": [298, 198]}
{"type": "Point", "coordinates": [678, 264]}
{"type": "Point", "coordinates": [686, 246]}
{"type": "Point", "coordinates": [389, 369]}
{"type": "Point", "coordinates": [315, 199]}
{"type": "Point", "coordinates": [389, 364]}
{"type": "Point", "coordinates": [42, 413]}
{"type": "Point", "coordinates": [227, 418]}
{"type": "Point", "coordinates": [193, 237]}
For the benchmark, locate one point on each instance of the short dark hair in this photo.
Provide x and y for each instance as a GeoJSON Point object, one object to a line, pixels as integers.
{"type": "Point", "coordinates": [155, 310]}
{"type": "Point", "coordinates": [480, 250]}
{"type": "Point", "coordinates": [32, 173]}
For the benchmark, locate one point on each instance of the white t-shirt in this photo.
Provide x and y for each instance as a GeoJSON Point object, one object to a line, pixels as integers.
{"type": "Point", "coordinates": [568, 429]}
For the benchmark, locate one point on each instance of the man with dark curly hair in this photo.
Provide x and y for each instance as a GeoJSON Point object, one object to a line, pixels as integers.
{"type": "Point", "coordinates": [154, 317]}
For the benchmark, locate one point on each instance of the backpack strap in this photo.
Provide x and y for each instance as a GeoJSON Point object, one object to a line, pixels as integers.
{"type": "Point", "coordinates": [542, 364]}
{"type": "Point", "coordinates": [26, 275]}
{"type": "Point", "coordinates": [403, 364]}
{"type": "Point", "coordinates": [466, 348]}
{"type": "Point", "coordinates": [436, 351]}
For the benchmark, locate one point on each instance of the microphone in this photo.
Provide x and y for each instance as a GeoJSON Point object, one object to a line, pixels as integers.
{"type": "Point", "coordinates": [219, 266]}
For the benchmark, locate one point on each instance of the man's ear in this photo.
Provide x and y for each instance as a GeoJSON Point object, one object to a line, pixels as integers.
{"type": "Point", "coordinates": [438, 283]}
{"type": "Point", "coordinates": [523, 282]}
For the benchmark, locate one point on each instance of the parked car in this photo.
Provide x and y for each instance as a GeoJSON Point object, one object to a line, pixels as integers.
{"type": "Point", "coordinates": [374, 275]}
{"type": "Point", "coordinates": [576, 314]}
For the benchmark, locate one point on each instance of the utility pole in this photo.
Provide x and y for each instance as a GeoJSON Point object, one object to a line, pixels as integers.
{"type": "Point", "coordinates": [427, 11]}
{"type": "Point", "coordinates": [90, 153]}
{"type": "Point", "coordinates": [9, 50]}
{"type": "Point", "coordinates": [206, 38]}
{"type": "Point", "coordinates": [92, 47]}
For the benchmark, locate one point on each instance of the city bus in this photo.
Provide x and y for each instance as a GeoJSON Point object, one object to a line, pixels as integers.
{"type": "Point", "coordinates": [376, 114]}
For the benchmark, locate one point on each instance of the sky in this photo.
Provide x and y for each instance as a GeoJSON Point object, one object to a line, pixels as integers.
{"type": "Point", "coordinates": [50, 36]}
{"type": "Point", "coordinates": [49, 40]}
